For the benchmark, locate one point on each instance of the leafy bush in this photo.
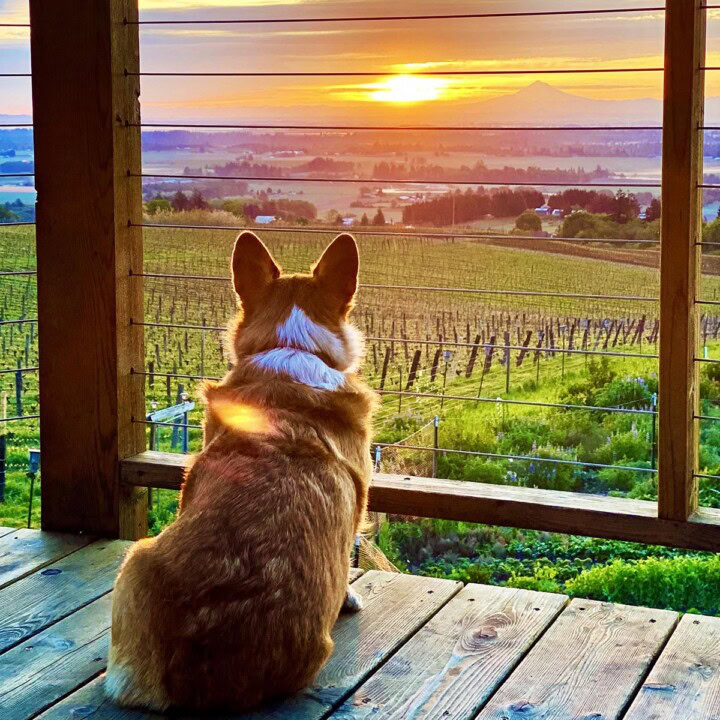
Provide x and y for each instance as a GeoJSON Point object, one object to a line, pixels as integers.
{"type": "Point", "coordinates": [484, 471]}
{"type": "Point", "coordinates": [523, 436]}
{"type": "Point", "coordinates": [622, 449]}
{"type": "Point", "coordinates": [543, 579]}
{"type": "Point", "coordinates": [528, 222]}
{"type": "Point", "coordinates": [549, 476]}
{"type": "Point", "coordinates": [578, 429]}
{"type": "Point", "coordinates": [618, 479]}
{"type": "Point", "coordinates": [468, 434]}
{"type": "Point", "coordinates": [680, 583]}
{"type": "Point", "coordinates": [583, 392]}
{"type": "Point", "coordinates": [627, 392]}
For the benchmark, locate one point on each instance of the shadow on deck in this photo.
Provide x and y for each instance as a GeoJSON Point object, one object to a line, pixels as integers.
{"type": "Point", "coordinates": [421, 648]}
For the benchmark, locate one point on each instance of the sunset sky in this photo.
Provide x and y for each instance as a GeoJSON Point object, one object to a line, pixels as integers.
{"type": "Point", "coordinates": [613, 40]}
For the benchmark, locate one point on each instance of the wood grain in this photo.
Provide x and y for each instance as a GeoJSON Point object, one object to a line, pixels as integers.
{"type": "Point", "coordinates": [90, 702]}
{"type": "Point", "coordinates": [24, 551]}
{"type": "Point", "coordinates": [85, 250]}
{"type": "Point", "coordinates": [355, 573]}
{"type": "Point", "coordinates": [685, 682]}
{"type": "Point", "coordinates": [396, 606]}
{"type": "Point", "coordinates": [41, 599]}
{"type": "Point", "coordinates": [587, 665]}
{"type": "Point", "coordinates": [685, 30]}
{"type": "Point", "coordinates": [457, 660]}
{"type": "Point", "coordinates": [550, 510]}
{"type": "Point", "coordinates": [49, 666]}
{"type": "Point", "coordinates": [6, 531]}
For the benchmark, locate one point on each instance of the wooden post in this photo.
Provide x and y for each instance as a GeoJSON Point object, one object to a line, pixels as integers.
{"type": "Point", "coordinates": [685, 25]}
{"type": "Point", "coordinates": [85, 151]}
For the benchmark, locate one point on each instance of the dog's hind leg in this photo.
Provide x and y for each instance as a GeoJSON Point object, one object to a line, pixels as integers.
{"type": "Point", "coordinates": [353, 601]}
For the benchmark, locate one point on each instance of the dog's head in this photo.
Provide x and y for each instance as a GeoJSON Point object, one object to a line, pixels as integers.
{"type": "Point", "coordinates": [290, 322]}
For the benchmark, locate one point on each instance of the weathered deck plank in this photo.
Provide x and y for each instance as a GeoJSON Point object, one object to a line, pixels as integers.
{"type": "Point", "coordinates": [53, 663]}
{"type": "Point", "coordinates": [23, 551]}
{"type": "Point", "coordinates": [456, 661]}
{"type": "Point", "coordinates": [396, 606]}
{"type": "Point", "coordinates": [41, 599]}
{"type": "Point", "coordinates": [587, 665]}
{"type": "Point", "coordinates": [685, 682]}
{"type": "Point", "coordinates": [355, 573]}
{"type": "Point", "coordinates": [7, 530]}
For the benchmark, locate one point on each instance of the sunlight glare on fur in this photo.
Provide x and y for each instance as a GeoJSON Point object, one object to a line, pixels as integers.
{"type": "Point", "coordinates": [241, 417]}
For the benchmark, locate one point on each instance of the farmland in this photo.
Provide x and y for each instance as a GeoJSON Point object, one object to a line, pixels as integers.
{"type": "Point", "coordinates": [475, 344]}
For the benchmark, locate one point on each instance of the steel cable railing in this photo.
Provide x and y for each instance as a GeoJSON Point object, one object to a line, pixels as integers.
{"type": "Point", "coordinates": [394, 18]}
{"type": "Point", "coordinates": [384, 233]}
{"type": "Point", "coordinates": [330, 180]}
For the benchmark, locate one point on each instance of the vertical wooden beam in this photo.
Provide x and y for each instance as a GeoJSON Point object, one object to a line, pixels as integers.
{"type": "Point", "coordinates": [685, 24]}
{"type": "Point", "coordinates": [86, 248]}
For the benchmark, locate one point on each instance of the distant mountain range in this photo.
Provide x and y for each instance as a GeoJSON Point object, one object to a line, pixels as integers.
{"type": "Point", "coordinates": [7, 119]}
{"type": "Point", "coordinates": [543, 104]}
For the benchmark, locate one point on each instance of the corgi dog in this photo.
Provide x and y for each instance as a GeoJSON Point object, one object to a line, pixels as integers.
{"type": "Point", "coordinates": [233, 604]}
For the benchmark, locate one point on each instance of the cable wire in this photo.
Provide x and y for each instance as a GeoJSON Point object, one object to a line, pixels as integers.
{"type": "Point", "coordinates": [392, 18]}
{"type": "Point", "coordinates": [379, 181]}
{"type": "Point", "coordinates": [392, 233]}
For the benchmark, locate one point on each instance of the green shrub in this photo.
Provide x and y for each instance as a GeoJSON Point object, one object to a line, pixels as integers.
{"type": "Point", "coordinates": [680, 583]}
{"type": "Point", "coordinates": [469, 432]}
{"type": "Point", "coordinates": [543, 579]}
{"type": "Point", "coordinates": [480, 470]}
{"type": "Point", "coordinates": [622, 449]}
{"type": "Point", "coordinates": [522, 436]}
{"type": "Point", "coordinates": [579, 429]}
{"type": "Point", "coordinates": [628, 392]}
{"type": "Point", "coordinates": [618, 478]}
{"type": "Point", "coordinates": [549, 476]}
{"type": "Point", "coordinates": [528, 222]}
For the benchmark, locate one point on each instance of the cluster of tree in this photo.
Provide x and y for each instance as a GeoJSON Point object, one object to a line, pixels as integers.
{"type": "Point", "coordinates": [621, 207]}
{"type": "Point", "coordinates": [481, 173]}
{"type": "Point", "coordinates": [459, 207]}
{"type": "Point", "coordinates": [335, 218]}
{"type": "Point", "coordinates": [242, 168]}
{"type": "Point", "coordinates": [325, 165]}
{"type": "Point", "coordinates": [283, 208]}
{"type": "Point", "coordinates": [582, 224]}
{"type": "Point", "coordinates": [179, 202]}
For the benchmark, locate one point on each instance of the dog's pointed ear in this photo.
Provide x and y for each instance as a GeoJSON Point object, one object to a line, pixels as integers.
{"type": "Point", "coordinates": [337, 270]}
{"type": "Point", "coordinates": [253, 268]}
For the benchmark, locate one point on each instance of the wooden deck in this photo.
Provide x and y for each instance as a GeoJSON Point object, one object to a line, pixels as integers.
{"type": "Point", "coordinates": [421, 648]}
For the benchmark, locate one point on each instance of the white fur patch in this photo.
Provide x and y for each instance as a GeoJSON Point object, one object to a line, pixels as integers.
{"type": "Point", "coordinates": [355, 342]}
{"type": "Point", "coordinates": [300, 332]}
{"type": "Point", "coordinates": [301, 366]}
{"type": "Point", "coordinates": [118, 681]}
{"type": "Point", "coordinates": [353, 601]}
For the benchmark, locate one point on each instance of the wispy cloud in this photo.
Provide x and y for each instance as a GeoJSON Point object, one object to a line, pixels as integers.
{"type": "Point", "coordinates": [241, 34]}
{"type": "Point", "coordinates": [210, 4]}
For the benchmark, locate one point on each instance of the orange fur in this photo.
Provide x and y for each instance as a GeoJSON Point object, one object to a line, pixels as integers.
{"type": "Point", "coordinates": [233, 604]}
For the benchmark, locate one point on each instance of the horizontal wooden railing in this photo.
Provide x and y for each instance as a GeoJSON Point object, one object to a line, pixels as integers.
{"type": "Point", "coordinates": [530, 508]}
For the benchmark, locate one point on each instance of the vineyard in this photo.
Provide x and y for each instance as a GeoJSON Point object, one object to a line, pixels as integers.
{"type": "Point", "coordinates": [466, 329]}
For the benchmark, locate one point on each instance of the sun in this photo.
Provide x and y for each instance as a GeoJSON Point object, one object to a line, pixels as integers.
{"type": "Point", "coordinates": [409, 89]}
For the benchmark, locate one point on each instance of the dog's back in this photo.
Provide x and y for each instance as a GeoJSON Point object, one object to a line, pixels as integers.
{"type": "Point", "coordinates": [234, 603]}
